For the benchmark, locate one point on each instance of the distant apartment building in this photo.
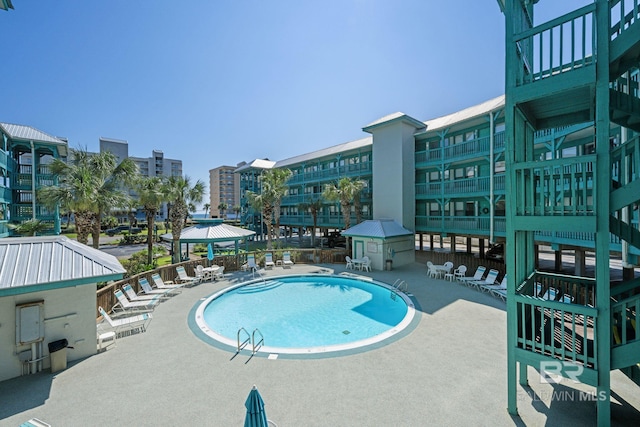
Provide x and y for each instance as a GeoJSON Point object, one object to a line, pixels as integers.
{"type": "Point", "coordinates": [156, 165]}
{"type": "Point", "coordinates": [224, 187]}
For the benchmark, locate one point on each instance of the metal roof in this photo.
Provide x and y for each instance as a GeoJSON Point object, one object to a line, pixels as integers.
{"type": "Point", "coordinates": [29, 264]}
{"type": "Point", "coordinates": [326, 152]}
{"type": "Point", "coordinates": [258, 164]}
{"type": "Point", "coordinates": [391, 118]}
{"type": "Point", "coordinates": [28, 133]}
{"type": "Point", "coordinates": [203, 233]}
{"type": "Point", "coordinates": [380, 228]}
{"type": "Point", "coordinates": [463, 115]}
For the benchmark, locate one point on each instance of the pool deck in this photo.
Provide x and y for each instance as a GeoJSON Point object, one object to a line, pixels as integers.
{"type": "Point", "coordinates": [450, 370]}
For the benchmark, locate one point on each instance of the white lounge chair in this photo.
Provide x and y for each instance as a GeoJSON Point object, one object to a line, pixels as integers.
{"type": "Point", "coordinates": [268, 260]}
{"type": "Point", "coordinates": [477, 276]}
{"type": "Point", "coordinates": [148, 290]}
{"type": "Point", "coordinates": [137, 322]}
{"type": "Point", "coordinates": [491, 278]}
{"type": "Point", "coordinates": [251, 263]}
{"type": "Point", "coordinates": [131, 294]}
{"type": "Point", "coordinates": [495, 287]}
{"type": "Point", "coordinates": [160, 284]}
{"type": "Point", "coordinates": [125, 305]}
{"type": "Point", "coordinates": [286, 260]}
{"type": "Point", "coordinates": [183, 277]}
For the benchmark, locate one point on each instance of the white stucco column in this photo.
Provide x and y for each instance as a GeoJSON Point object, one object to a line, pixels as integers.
{"type": "Point", "coordinates": [394, 168]}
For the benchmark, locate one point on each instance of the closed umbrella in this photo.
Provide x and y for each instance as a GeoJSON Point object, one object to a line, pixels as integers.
{"type": "Point", "coordinates": [256, 416]}
{"type": "Point", "coordinates": [210, 253]}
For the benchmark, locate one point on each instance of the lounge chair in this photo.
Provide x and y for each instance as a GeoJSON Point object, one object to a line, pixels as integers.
{"type": "Point", "coordinates": [349, 262]}
{"type": "Point", "coordinates": [160, 284]}
{"type": "Point", "coordinates": [184, 278]}
{"type": "Point", "coordinates": [491, 278]}
{"type": "Point", "coordinates": [137, 322]}
{"type": "Point", "coordinates": [552, 295]}
{"type": "Point", "coordinates": [148, 290]}
{"type": "Point", "coordinates": [268, 260]}
{"type": "Point", "coordinates": [495, 287]}
{"type": "Point", "coordinates": [251, 263]}
{"type": "Point", "coordinates": [477, 276]}
{"type": "Point", "coordinates": [125, 305]}
{"type": "Point", "coordinates": [131, 294]}
{"type": "Point", "coordinates": [286, 260]}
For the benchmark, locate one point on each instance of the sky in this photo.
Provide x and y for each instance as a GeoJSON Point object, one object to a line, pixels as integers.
{"type": "Point", "coordinates": [218, 82]}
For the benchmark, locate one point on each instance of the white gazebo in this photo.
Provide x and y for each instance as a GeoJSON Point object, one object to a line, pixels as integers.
{"type": "Point", "coordinates": [384, 241]}
{"type": "Point", "coordinates": [213, 231]}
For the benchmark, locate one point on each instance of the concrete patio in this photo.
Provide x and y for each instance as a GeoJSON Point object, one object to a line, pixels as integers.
{"type": "Point", "coordinates": [450, 370]}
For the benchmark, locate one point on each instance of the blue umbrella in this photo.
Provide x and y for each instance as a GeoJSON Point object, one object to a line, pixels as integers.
{"type": "Point", "coordinates": [210, 253]}
{"type": "Point", "coordinates": [256, 416]}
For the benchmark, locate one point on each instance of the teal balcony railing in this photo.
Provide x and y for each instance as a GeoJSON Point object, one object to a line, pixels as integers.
{"type": "Point", "coordinates": [460, 224]}
{"type": "Point", "coordinates": [623, 15]}
{"type": "Point", "coordinates": [556, 47]}
{"type": "Point", "coordinates": [459, 187]}
{"type": "Point", "coordinates": [332, 174]}
{"type": "Point", "coordinates": [556, 187]}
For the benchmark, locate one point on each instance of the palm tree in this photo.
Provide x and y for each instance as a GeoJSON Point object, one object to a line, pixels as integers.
{"type": "Point", "coordinates": [222, 207]}
{"type": "Point", "coordinates": [277, 183]}
{"type": "Point", "coordinates": [346, 191]}
{"type": "Point", "coordinates": [151, 197]}
{"type": "Point", "coordinates": [237, 209]}
{"type": "Point", "coordinates": [31, 227]}
{"type": "Point", "coordinates": [272, 190]}
{"type": "Point", "coordinates": [314, 208]}
{"type": "Point", "coordinates": [88, 185]}
{"type": "Point", "coordinates": [181, 194]}
{"type": "Point", "coordinates": [206, 207]}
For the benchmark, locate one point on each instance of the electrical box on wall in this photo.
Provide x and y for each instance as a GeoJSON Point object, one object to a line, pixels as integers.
{"type": "Point", "coordinates": [29, 322]}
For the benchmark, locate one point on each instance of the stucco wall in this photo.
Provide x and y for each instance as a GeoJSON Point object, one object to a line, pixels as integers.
{"type": "Point", "coordinates": [68, 312]}
{"type": "Point", "coordinates": [402, 247]}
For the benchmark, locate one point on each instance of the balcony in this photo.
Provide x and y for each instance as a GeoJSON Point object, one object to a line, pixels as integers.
{"type": "Point", "coordinates": [472, 225]}
{"type": "Point", "coordinates": [332, 174]}
{"type": "Point", "coordinates": [473, 149]}
{"type": "Point", "coordinates": [465, 187]}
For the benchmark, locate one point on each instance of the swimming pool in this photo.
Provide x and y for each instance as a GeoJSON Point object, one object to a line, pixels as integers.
{"type": "Point", "coordinates": [306, 314]}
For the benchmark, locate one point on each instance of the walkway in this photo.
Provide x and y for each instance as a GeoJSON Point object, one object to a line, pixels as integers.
{"type": "Point", "coordinates": [451, 370]}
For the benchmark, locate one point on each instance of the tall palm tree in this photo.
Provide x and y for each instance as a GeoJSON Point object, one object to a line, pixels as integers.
{"type": "Point", "coordinates": [206, 207]}
{"type": "Point", "coordinates": [345, 192]}
{"type": "Point", "coordinates": [237, 209]}
{"type": "Point", "coordinates": [181, 194]}
{"type": "Point", "coordinates": [222, 207]}
{"type": "Point", "coordinates": [314, 207]}
{"type": "Point", "coordinates": [88, 185]}
{"type": "Point", "coordinates": [150, 197]}
{"type": "Point", "coordinates": [277, 183]}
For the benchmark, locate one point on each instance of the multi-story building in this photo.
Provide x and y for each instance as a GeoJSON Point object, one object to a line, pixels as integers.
{"type": "Point", "coordinates": [250, 174]}
{"type": "Point", "coordinates": [224, 187]}
{"type": "Point", "coordinates": [156, 165]}
{"type": "Point", "coordinates": [25, 154]}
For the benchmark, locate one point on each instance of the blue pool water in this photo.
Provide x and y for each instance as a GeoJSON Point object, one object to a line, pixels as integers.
{"type": "Point", "coordinates": [303, 312]}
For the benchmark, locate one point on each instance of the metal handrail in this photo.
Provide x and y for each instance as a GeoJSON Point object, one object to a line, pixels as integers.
{"type": "Point", "coordinates": [245, 342]}
{"type": "Point", "coordinates": [259, 344]}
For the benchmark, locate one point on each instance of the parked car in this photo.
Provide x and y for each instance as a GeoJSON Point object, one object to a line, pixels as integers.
{"type": "Point", "coordinates": [336, 239]}
{"type": "Point", "coordinates": [119, 229]}
{"type": "Point", "coordinates": [495, 252]}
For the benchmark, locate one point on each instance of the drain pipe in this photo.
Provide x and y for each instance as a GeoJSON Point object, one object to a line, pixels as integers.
{"type": "Point", "coordinates": [491, 176]}
{"type": "Point", "coordinates": [33, 181]}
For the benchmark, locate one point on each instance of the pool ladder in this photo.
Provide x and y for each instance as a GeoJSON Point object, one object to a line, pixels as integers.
{"type": "Point", "coordinates": [401, 286]}
{"type": "Point", "coordinates": [255, 345]}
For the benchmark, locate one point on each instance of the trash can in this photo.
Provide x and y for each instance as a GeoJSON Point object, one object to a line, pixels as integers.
{"type": "Point", "coordinates": [389, 264]}
{"type": "Point", "coordinates": [58, 354]}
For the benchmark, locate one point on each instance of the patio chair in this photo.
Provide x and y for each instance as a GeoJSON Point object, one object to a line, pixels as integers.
{"type": "Point", "coordinates": [268, 260]}
{"type": "Point", "coordinates": [148, 290]}
{"type": "Point", "coordinates": [491, 278]}
{"type": "Point", "coordinates": [459, 272]}
{"type": "Point", "coordinates": [131, 294]}
{"type": "Point", "coordinates": [286, 260]}
{"type": "Point", "coordinates": [201, 274]}
{"type": "Point", "coordinates": [137, 322]}
{"type": "Point", "coordinates": [184, 278]}
{"type": "Point", "coordinates": [477, 276]}
{"type": "Point", "coordinates": [160, 284]}
{"type": "Point", "coordinates": [125, 305]}
{"type": "Point", "coordinates": [432, 271]}
{"type": "Point", "coordinates": [349, 262]}
{"type": "Point", "coordinates": [219, 274]}
{"type": "Point", "coordinates": [365, 264]}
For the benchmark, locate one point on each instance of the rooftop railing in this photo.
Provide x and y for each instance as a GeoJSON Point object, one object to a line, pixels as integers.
{"type": "Point", "coordinates": [624, 13]}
